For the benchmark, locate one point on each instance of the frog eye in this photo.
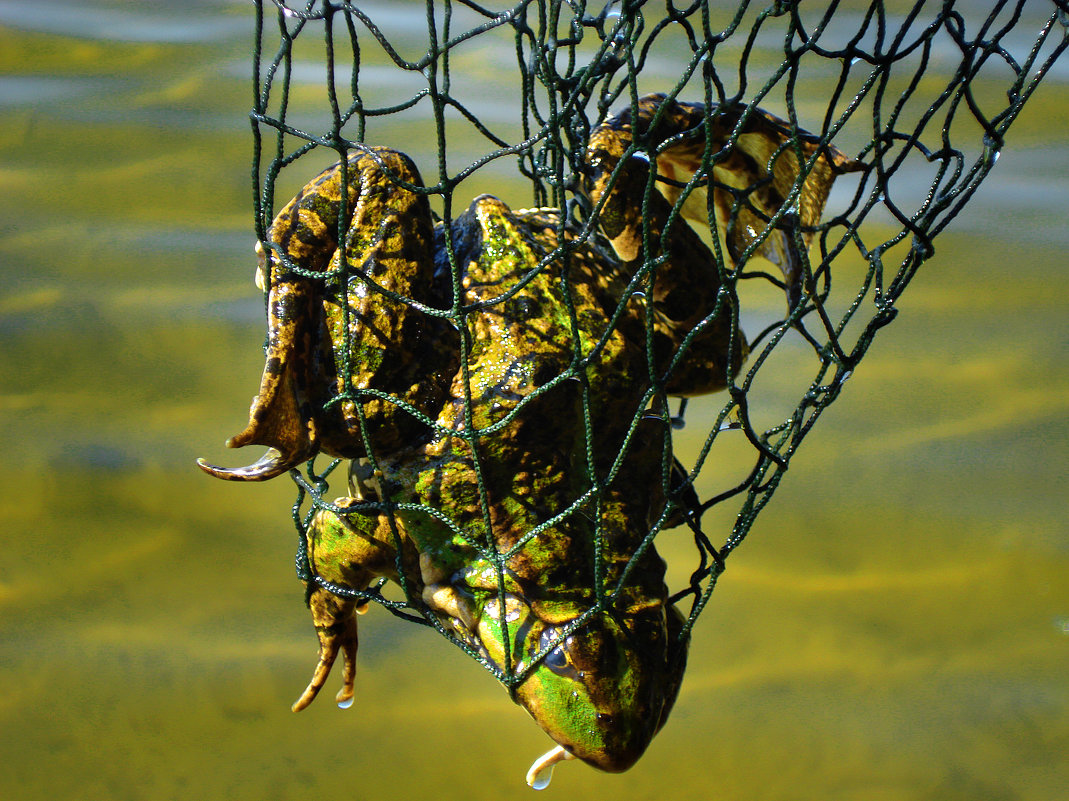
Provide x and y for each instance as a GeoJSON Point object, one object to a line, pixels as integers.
{"type": "Point", "coordinates": [557, 659]}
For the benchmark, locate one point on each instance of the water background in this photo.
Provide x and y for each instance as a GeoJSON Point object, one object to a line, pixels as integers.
{"type": "Point", "coordinates": [896, 626]}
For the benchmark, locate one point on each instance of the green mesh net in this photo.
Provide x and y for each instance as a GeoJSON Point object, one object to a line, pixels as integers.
{"type": "Point", "coordinates": [919, 97]}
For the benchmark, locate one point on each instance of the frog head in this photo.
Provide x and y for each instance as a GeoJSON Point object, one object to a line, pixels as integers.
{"type": "Point", "coordinates": [601, 689]}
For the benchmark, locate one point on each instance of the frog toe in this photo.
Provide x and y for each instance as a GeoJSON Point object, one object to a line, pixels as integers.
{"type": "Point", "coordinates": [340, 638]}
{"type": "Point", "coordinates": [344, 698]}
{"type": "Point", "coordinates": [271, 464]}
{"type": "Point", "coordinates": [319, 678]}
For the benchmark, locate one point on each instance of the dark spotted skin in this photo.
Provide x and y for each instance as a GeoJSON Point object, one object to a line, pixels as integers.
{"type": "Point", "coordinates": [556, 387]}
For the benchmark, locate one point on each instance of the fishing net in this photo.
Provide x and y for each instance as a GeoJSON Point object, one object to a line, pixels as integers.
{"type": "Point", "coordinates": [919, 97]}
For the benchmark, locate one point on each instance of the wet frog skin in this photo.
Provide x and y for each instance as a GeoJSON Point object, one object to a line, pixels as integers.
{"type": "Point", "coordinates": [557, 370]}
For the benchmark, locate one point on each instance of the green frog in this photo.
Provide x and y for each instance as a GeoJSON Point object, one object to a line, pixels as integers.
{"type": "Point", "coordinates": [499, 384]}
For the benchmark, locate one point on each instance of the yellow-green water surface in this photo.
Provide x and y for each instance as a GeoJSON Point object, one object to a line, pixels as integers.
{"type": "Point", "coordinates": [895, 627]}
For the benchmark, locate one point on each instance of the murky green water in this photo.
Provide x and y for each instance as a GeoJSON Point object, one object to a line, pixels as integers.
{"type": "Point", "coordinates": [896, 627]}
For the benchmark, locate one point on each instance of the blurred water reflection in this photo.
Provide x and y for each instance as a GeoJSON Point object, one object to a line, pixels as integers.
{"type": "Point", "coordinates": [894, 628]}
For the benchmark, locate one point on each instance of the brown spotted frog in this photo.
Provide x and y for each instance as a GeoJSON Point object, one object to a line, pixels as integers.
{"type": "Point", "coordinates": [499, 384]}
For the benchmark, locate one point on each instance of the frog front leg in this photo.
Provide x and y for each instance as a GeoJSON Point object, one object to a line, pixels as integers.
{"type": "Point", "coordinates": [348, 550]}
{"type": "Point", "coordinates": [350, 274]}
{"type": "Point", "coordinates": [334, 617]}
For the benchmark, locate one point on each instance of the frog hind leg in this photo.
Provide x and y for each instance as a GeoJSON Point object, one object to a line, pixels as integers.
{"type": "Point", "coordinates": [687, 287]}
{"type": "Point", "coordinates": [686, 283]}
{"type": "Point", "coordinates": [388, 235]}
{"type": "Point", "coordinates": [751, 183]}
{"type": "Point", "coordinates": [383, 334]}
{"type": "Point", "coordinates": [282, 417]}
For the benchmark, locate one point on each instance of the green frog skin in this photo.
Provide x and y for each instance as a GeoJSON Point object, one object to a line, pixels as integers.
{"type": "Point", "coordinates": [561, 355]}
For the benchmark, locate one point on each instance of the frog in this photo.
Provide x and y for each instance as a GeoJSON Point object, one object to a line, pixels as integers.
{"type": "Point", "coordinates": [498, 384]}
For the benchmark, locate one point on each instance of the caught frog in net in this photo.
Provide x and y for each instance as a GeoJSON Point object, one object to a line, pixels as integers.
{"type": "Point", "coordinates": [508, 457]}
